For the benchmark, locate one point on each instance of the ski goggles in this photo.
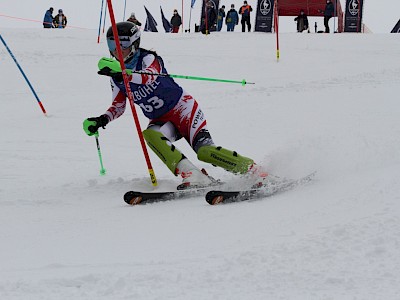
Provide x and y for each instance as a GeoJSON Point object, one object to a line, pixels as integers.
{"type": "Point", "coordinates": [124, 41]}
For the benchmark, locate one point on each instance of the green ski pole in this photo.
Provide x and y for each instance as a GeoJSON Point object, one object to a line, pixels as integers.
{"type": "Point", "coordinates": [113, 66]}
{"type": "Point", "coordinates": [102, 170]}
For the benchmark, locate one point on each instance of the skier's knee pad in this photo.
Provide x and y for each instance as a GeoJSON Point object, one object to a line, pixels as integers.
{"type": "Point", "coordinates": [164, 149]}
{"type": "Point", "coordinates": [224, 158]}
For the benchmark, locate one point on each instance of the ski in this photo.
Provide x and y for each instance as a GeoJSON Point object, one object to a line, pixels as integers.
{"type": "Point", "coordinates": [215, 197]}
{"type": "Point", "coordinates": [136, 197]}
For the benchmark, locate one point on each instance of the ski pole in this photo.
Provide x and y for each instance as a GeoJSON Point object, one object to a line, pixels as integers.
{"type": "Point", "coordinates": [102, 170]}
{"type": "Point", "coordinates": [130, 95]}
{"type": "Point", "coordinates": [243, 82]}
{"type": "Point", "coordinates": [23, 74]}
{"type": "Point", "coordinates": [114, 65]}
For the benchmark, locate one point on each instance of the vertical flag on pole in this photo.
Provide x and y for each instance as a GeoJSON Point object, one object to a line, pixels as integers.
{"type": "Point", "coordinates": [166, 24]}
{"type": "Point", "coordinates": [151, 24]}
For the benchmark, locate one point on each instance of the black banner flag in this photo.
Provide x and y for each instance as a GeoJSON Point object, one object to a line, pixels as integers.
{"type": "Point", "coordinates": [264, 15]}
{"type": "Point", "coordinates": [166, 24]}
{"type": "Point", "coordinates": [353, 16]}
{"type": "Point", "coordinates": [151, 24]}
{"type": "Point", "coordinates": [396, 28]}
{"type": "Point", "coordinates": [209, 13]}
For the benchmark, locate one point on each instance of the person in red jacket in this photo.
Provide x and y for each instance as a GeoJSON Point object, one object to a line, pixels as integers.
{"type": "Point", "coordinates": [245, 12]}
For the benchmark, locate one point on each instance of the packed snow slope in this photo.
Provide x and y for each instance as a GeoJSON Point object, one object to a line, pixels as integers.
{"type": "Point", "coordinates": [331, 105]}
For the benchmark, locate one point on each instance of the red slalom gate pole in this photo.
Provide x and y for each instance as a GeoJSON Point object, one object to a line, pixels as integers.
{"type": "Point", "coordinates": [276, 23]}
{"type": "Point", "coordinates": [130, 95]}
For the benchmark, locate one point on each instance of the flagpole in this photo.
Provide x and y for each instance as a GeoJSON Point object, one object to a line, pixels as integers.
{"type": "Point", "coordinates": [183, 30]}
{"type": "Point", "coordinates": [190, 17]}
{"type": "Point", "coordinates": [124, 10]}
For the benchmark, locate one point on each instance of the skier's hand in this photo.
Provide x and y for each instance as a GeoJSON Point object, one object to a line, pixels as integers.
{"type": "Point", "coordinates": [106, 71]}
{"type": "Point", "coordinates": [91, 125]}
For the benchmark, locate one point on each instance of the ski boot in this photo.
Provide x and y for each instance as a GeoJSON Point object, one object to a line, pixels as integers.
{"type": "Point", "coordinates": [192, 177]}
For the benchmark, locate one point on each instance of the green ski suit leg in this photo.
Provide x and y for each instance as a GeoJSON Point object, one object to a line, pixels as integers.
{"type": "Point", "coordinates": [164, 149]}
{"type": "Point", "coordinates": [224, 158]}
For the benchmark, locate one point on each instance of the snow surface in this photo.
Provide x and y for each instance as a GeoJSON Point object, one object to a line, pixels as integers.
{"type": "Point", "coordinates": [331, 104]}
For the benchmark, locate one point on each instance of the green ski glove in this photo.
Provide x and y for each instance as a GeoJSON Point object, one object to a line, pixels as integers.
{"type": "Point", "coordinates": [91, 125]}
{"type": "Point", "coordinates": [111, 67]}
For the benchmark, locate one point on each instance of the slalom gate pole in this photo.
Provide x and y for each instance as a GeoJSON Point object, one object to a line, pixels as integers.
{"type": "Point", "coordinates": [183, 27]}
{"type": "Point", "coordinates": [276, 23]}
{"type": "Point", "coordinates": [130, 94]}
{"type": "Point", "coordinates": [124, 10]}
{"type": "Point", "coordinates": [101, 17]}
{"type": "Point", "coordinates": [23, 74]}
{"type": "Point", "coordinates": [105, 14]}
{"type": "Point", "coordinates": [102, 170]}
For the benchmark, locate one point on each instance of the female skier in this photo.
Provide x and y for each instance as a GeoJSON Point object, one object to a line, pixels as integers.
{"type": "Point", "coordinates": [173, 113]}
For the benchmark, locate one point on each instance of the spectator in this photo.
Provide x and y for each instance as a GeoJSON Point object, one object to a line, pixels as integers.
{"type": "Point", "coordinates": [221, 16]}
{"type": "Point", "coordinates": [176, 22]}
{"type": "Point", "coordinates": [328, 13]}
{"type": "Point", "coordinates": [133, 19]}
{"type": "Point", "coordinates": [60, 20]}
{"type": "Point", "coordinates": [245, 12]}
{"type": "Point", "coordinates": [232, 18]}
{"type": "Point", "coordinates": [302, 21]}
{"type": "Point", "coordinates": [48, 18]}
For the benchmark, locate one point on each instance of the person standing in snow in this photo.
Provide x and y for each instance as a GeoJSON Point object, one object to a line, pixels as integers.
{"type": "Point", "coordinates": [232, 18]}
{"type": "Point", "coordinates": [328, 14]}
{"type": "Point", "coordinates": [48, 18]}
{"type": "Point", "coordinates": [221, 16]}
{"type": "Point", "coordinates": [245, 10]}
{"type": "Point", "coordinates": [176, 22]}
{"type": "Point", "coordinates": [302, 21]}
{"type": "Point", "coordinates": [60, 20]}
{"type": "Point", "coordinates": [172, 112]}
{"type": "Point", "coordinates": [133, 19]}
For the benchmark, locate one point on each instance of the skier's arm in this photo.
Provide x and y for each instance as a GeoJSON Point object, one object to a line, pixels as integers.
{"type": "Point", "coordinates": [150, 65]}
{"type": "Point", "coordinates": [118, 105]}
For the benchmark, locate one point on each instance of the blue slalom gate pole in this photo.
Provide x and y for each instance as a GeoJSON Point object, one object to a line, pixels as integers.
{"type": "Point", "coordinates": [124, 10]}
{"type": "Point", "coordinates": [105, 14]}
{"type": "Point", "coordinates": [23, 74]}
{"type": "Point", "coordinates": [101, 17]}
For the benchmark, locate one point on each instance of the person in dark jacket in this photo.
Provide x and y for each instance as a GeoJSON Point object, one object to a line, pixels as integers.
{"type": "Point", "coordinates": [48, 18]}
{"type": "Point", "coordinates": [302, 21]}
{"type": "Point", "coordinates": [60, 20]}
{"type": "Point", "coordinates": [328, 13]}
{"type": "Point", "coordinates": [245, 12]}
{"type": "Point", "coordinates": [221, 16]}
{"type": "Point", "coordinates": [133, 19]}
{"type": "Point", "coordinates": [176, 21]}
{"type": "Point", "coordinates": [232, 18]}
